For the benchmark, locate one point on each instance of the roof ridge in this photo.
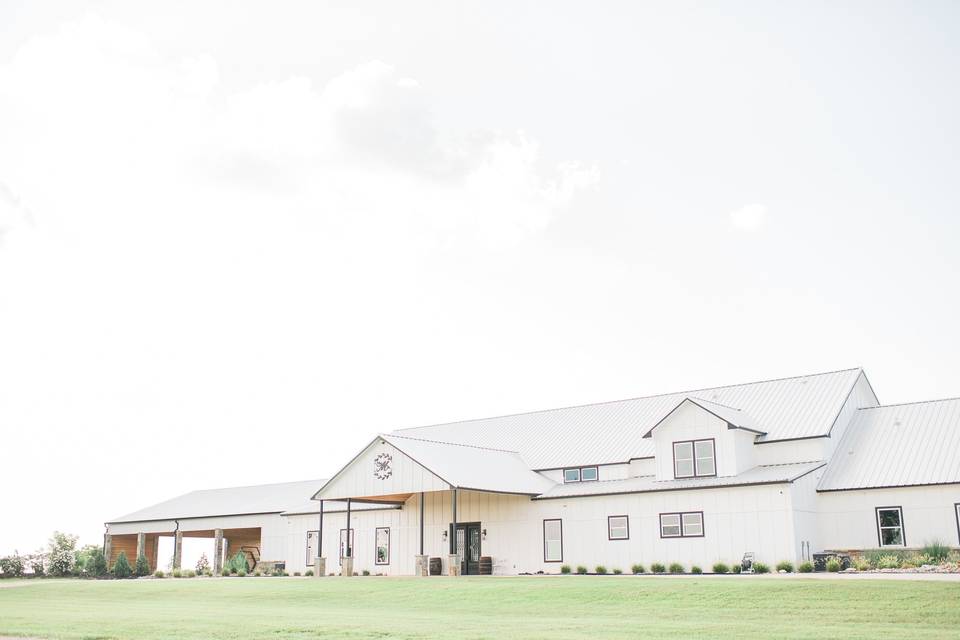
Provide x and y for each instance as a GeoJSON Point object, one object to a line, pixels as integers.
{"type": "Point", "coordinates": [251, 486]}
{"type": "Point", "coordinates": [455, 444]}
{"type": "Point", "coordinates": [719, 404]}
{"type": "Point", "coordinates": [597, 404]}
{"type": "Point", "coordinates": [903, 404]}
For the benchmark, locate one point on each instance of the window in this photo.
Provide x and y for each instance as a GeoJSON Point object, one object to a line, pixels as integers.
{"type": "Point", "coordinates": [681, 525]}
{"type": "Point", "coordinates": [694, 459]}
{"type": "Point", "coordinates": [343, 544]}
{"type": "Point", "coordinates": [383, 546]}
{"type": "Point", "coordinates": [618, 528]}
{"type": "Point", "coordinates": [890, 527]}
{"type": "Point", "coordinates": [957, 508]}
{"type": "Point", "coordinates": [582, 474]}
{"type": "Point", "coordinates": [553, 541]}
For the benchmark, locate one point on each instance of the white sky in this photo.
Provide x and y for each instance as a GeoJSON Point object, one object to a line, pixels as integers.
{"type": "Point", "coordinates": [238, 239]}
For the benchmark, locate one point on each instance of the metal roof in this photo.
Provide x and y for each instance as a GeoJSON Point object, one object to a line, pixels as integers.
{"type": "Point", "coordinates": [896, 446]}
{"type": "Point", "coordinates": [767, 474]}
{"type": "Point", "coordinates": [263, 498]}
{"type": "Point", "coordinates": [610, 432]}
{"type": "Point", "coordinates": [471, 467]}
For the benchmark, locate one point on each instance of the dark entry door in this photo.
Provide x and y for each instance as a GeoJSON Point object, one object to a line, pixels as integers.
{"type": "Point", "coordinates": [468, 547]}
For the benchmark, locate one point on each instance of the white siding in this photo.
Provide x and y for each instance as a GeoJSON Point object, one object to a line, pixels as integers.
{"type": "Point", "coordinates": [358, 480]}
{"type": "Point", "coordinates": [691, 422]}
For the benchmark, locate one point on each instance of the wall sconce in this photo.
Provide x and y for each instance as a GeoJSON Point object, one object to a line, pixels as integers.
{"type": "Point", "coordinates": [444, 536]}
{"type": "Point", "coordinates": [484, 534]}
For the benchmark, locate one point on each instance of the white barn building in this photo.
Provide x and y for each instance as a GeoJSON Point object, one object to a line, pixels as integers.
{"type": "Point", "coordinates": [781, 468]}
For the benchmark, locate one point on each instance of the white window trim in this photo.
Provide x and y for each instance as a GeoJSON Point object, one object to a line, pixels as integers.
{"type": "Point", "coordinates": [903, 529]}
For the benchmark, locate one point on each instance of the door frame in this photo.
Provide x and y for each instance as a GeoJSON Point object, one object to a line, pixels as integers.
{"type": "Point", "coordinates": [466, 526]}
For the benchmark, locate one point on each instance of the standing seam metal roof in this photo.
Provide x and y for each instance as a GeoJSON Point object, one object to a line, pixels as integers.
{"type": "Point", "coordinates": [611, 432]}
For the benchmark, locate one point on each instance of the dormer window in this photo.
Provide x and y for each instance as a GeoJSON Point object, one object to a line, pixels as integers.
{"type": "Point", "coordinates": [580, 474]}
{"type": "Point", "coordinates": [694, 459]}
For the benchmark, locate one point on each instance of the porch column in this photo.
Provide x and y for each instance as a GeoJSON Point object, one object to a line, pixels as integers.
{"type": "Point", "coordinates": [420, 562]}
{"type": "Point", "coordinates": [141, 545]}
{"type": "Point", "coordinates": [320, 563]}
{"type": "Point", "coordinates": [108, 549]}
{"type": "Point", "coordinates": [177, 548]}
{"type": "Point", "coordinates": [453, 561]}
{"type": "Point", "coordinates": [346, 566]}
{"type": "Point", "coordinates": [217, 552]}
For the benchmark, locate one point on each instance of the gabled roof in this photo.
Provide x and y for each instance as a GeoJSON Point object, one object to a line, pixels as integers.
{"type": "Point", "coordinates": [263, 498]}
{"type": "Point", "coordinates": [898, 446]}
{"type": "Point", "coordinates": [609, 432]}
{"type": "Point", "coordinates": [470, 467]}
{"type": "Point", "coordinates": [734, 418]}
{"type": "Point", "coordinates": [765, 474]}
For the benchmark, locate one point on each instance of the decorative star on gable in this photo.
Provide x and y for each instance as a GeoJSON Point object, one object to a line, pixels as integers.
{"type": "Point", "coordinates": [381, 466]}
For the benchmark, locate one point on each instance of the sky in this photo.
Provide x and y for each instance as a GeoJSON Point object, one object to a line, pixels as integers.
{"type": "Point", "coordinates": [239, 239]}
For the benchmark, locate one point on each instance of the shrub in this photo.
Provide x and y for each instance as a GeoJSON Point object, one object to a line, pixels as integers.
{"type": "Point", "coordinates": [785, 566]}
{"type": "Point", "coordinates": [617, 572]}
{"type": "Point", "coordinates": [83, 559]}
{"type": "Point", "coordinates": [121, 568]}
{"type": "Point", "coordinates": [600, 570]}
{"type": "Point", "coordinates": [96, 564]}
{"type": "Point", "coordinates": [565, 569]}
{"type": "Point", "coordinates": [158, 573]}
{"type": "Point", "coordinates": [887, 561]}
{"type": "Point", "coordinates": [695, 569]}
{"type": "Point", "coordinates": [365, 572]}
{"type": "Point", "coordinates": [637, 568]}
{"type": "Point", "coordinates": [241, 573]}
{"type": "Point", "coordinates": [833, 565]}
{"type": "Point", "coordinates": [806, 567]}
{"type": "Point", "coordinates": [189, 573]}
{"type": "Point", "coordinates": [37, 562]}
{"type": "Point", "coordinates": [224, 572]}
{"type": "Point", "coordinates": [676, 567]}
{"type": "Point", "coordinates": [309, 572]}
{"type": "Point", "coordinates": [656, 567]}
{"type": "Point", "coordinates": [936, 550]}
{"type": "Point", "coordinates": [203, 565]}
{"type": "Point", "coordinates": [736, 568]}
{"type": "Point", "coordinates": [12, 566]}
{"type": "Point", "coordinates": [257, 573]}
{"type": "Point", "coordinates": [861, 564]}
{"type": "Point", "coordinates": [237, 562]}
{"type": "Point", "coordinates": [921, 559]}
{"type": "Point", "coordinates": [581, 570]}
{"type": "Point", "coordinates": [177, 573]}
{"type": "Point", "coordinates": [721, 568]}
{"type": "Point", "coordinates": [62, 555]}
{"type": "Point", "coordinates": [759, 567]}
{"type": "Point", "coordinates": [142, 566]}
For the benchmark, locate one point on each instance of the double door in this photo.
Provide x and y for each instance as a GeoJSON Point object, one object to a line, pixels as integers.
{"type": "Point", "coordinates": [468, 547]}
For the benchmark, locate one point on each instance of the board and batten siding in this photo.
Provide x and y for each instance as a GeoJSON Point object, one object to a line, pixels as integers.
{"type": "Point", "coordinates": [358, 480]}
{"type": "Point", "coordinates": [733, 447]}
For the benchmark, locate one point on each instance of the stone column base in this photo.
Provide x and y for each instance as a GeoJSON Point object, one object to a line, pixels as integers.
{"type": "Point", "coordinates": [319, 567]}
{"type": "Point", "coordinates": [453, 564]}
{"type": "Point", "coordinates": [421, 565]}
{"type": "Point", "coordinates": [346, 567]}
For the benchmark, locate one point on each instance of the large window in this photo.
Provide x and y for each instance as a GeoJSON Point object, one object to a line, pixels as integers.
{"type": "Point", "coordinates": [681, 525]}
{"type": "Point", "coordinates": [694, 459]}
{"type": "Point", "coordinates": [618, 528]}
{"type": "Point", "coordinates": [383, 545]}
{"type": "Point", "coordinates": [890, 527]}
{"type": "Point", "coordinates": [553, 540]}
{"type": "Point", "coordinates": [343, 544]}
{"type": "Point", "coordinates": [581, 474]}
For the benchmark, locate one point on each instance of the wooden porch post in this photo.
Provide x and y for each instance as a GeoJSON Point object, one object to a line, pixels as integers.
{"type": "Point", "coordinates": [141, 545]}
{"type": "Point", "coordinates": [217, 552]}
{"type": "Point", "coordinates": [108, 550]}
{"type": "Point", "coordinates": [177, 548]}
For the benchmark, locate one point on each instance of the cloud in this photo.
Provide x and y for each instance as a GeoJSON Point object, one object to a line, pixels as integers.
{"type": "Point", "coordinates": [362, 150]}
{"type": "Point", "coordinates": [750, 217]}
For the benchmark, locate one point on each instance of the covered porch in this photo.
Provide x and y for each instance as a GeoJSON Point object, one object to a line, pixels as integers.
{"type": "Point", "coordinates": [450, 498]}
{"type": "Point", "coordinates": [227, 542]}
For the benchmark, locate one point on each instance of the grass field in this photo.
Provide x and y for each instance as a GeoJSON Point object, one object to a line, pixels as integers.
{"type": "Point", "coordinates": [556, 608]}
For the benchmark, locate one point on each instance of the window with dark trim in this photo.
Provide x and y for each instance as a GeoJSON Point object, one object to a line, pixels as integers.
{"type": "Point", "coordinates": [694, 458]}
{"type": "Point", "coordinates": [383, 545]}
{"type": "Point", "coordinates": [890, 532]}
{"type": "Point", "coordinates": [618, 528]}
{"type": "Point", "coordinates": [581, 474]}
{"type": "Point", "coordinates": [343, 543]}
{"type": "Point", "coordinates": [686, 524]}
{"type": "Point", "coordinates": [553, 540]}
{"type": "Point", "coordinates": [956, 508]}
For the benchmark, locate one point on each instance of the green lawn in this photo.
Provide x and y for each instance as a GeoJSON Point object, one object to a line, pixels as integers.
{"type": "Point", "coordinates": [578, 607]}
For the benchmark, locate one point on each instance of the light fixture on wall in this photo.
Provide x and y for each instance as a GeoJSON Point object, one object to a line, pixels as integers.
{"type": "Point", "coordinates": [444, 536]}
{"type": "Point", "coordinates": [484, 534]}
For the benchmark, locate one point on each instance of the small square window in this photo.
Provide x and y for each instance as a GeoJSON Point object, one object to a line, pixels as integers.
{"type": "Point", "coordinates": [692, 524]}
{"type": "Point", "coordinates": [618, 528]}
{"type": "Point", "coordinates": [588, 473]}
{"type": "Point", "coordinates": [571, 475]}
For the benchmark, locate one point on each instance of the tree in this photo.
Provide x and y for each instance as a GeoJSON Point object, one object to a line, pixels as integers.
{"type": "Point", "coordinates": [83, 559]}
{"type": "Point", "coordinates": [142, 567]}
{"type": "Point", "coordinates": [121, 568]}
{"type": "Point", "coordinates": [12, 566]}
{"type": "Point", "coordinates": [96, 564]}
{"type": "Point", "coordinates": [61, 558]}
{"type": "Point", "coordinates": [203, 565]}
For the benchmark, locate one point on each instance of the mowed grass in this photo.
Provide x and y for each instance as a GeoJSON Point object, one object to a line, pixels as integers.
{"type": "Point", "coordinates": [556, 608]}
